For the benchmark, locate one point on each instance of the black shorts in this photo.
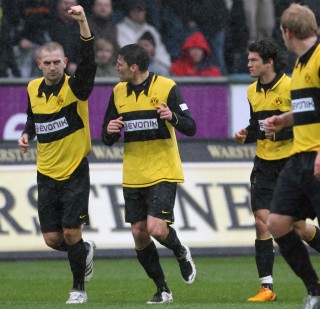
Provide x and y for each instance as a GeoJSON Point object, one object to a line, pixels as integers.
{"type": "Point", "coordinates": [64, 204]}
{"type": "Point", "coordinates": [263, 181]}
{"type": "Point", "coordinates": [156, 201]}
{"type": "Point", "coordinates": [297, 193]}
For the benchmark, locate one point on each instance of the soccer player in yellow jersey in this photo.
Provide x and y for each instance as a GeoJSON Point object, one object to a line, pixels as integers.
{"type": "Point", "coordinates": [269, 95]}
{"type": "Point", "coordinates": [58, 117]}
{"type": "Point", "coordinates": [147, 109]}
{"type": "Point", "coordinates": [297, 192]}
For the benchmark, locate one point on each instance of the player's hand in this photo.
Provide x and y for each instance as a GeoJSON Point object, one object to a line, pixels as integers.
{"type": "Point", "coordinates": [23, 142]}
{"type": "Point", "coordinates": [241, 136]}
{"type": "Point", "coordinates": [271, 126]}
{"type": "Point", "coordinates": [115, 126]}
{"type": "Point", "coordinates": [77, 13]}
{"type": "Point", "coordinates": [164, 111]}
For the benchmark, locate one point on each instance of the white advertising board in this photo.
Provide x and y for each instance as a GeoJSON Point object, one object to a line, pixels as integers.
{"type": "Point", "coordinates": [212, 207]}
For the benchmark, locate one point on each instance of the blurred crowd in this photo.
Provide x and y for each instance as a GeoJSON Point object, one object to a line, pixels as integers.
{"type": "Point", "coordinates": [183, 38]}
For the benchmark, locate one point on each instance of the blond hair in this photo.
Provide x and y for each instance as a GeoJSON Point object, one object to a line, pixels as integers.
{"type": "Point", "coordinates": [300, 20]}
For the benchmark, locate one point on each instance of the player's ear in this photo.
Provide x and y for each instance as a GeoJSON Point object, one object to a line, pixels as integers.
{"type": "Point", "coordinates": [65, 61]}
{"type": "Point", "coordinates": [38, 61]}
{"type": "Point", "coordinates": [271, 62]}
{"type": "Point", "coordinates": [133, 68]}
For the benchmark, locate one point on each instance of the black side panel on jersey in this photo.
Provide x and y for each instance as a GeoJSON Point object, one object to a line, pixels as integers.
{"type": "Point", "coordinates": [306, 117]}
{"type": "Point", "coordinates": [53, 127]}
{"type": "Point", "coordinates": [260, 116]}
{"type": "Point", "coordinates": [144, 126]}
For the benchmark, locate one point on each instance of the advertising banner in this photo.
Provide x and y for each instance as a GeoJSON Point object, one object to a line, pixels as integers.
{"type": "Point", "coordinates": [207, 102]}
{"type": "Point", "coordinates": [212, 206]}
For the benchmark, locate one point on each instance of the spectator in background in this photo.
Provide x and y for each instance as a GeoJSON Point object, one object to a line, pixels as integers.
{"type": "Point", "coordinates": [101, 22]}
{"type": "Point", "coordinates": [65, 31]}
{"type": "Point", "coordinates": [87, 6]}
{"type": "Point", "coordinates": [134, 25]}
{"type": "Point", "coordinates": [194, 61]}
{"type": "Point", "coordinates": [211, 18]}
{"type": "Point", "coordinates": [148, 43]}
{"type": "Point", "coordinates": [279, 7]}
{"type": "Point", "coordinates": [35, 21]}
{"type": "Point", "coordinates": [236, 43]}
{"type": "Point", "coordinates": [260, 18]}
{"type": "Point", "coordinates": [105, 58]}
{"type": "Point", "coordinates": [315, 7]}
{"type": "Point", "coordinates": [8, 21]}
{"type": "Point", "coordinates": [164, 15]}
{"type": "Point", "coordinates": [173, 30]}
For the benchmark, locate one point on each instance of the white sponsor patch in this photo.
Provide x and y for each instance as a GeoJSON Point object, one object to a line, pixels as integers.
{"type": "Point", "coordinates": [261, 125]}
{"type": "Point", "coordinates": [53, 126]}
{"type": "Point", "coordinates": [302, 105]}
{"type": "Point", "coordinates": [183, 106]}
{"type": "Point", "coordinates": [141, 124]}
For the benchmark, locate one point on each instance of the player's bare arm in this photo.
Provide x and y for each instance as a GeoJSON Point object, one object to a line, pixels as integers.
{"type": "Point", "coordinates": [78, 14]}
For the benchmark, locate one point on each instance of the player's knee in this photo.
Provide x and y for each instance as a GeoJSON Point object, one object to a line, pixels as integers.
{"type": "Point", "coordinates": [72, 235]}
{"type": "Point", "coordinates": [53, 243]}
{"type": "Point", "coordinates": [261, 225]}
{"type": "Point", "coordinates": [271, 225]}
{"type": "Point", "coordinates": [158, 233]}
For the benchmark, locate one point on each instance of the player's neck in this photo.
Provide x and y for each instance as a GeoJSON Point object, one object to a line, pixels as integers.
{"type": "Point", "coordinates": [268, 77]}
{"type": "Point", "coordinates": [140, 78]}
{"type": "Point", "coordinates": [302, 46]}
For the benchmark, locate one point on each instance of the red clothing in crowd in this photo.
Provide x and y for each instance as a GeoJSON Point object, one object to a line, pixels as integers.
{"type": "Point", "coordinates": [185, 65]}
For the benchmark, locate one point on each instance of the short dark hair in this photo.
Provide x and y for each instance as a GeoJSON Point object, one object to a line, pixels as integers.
{"type": "Point", "coordinates": [268, 48]}
{"type": "Point", "coordinates": [149, 37]}
{"type": "Point", "coordinates": [135, 54]}
{"type": "Point", "coordinates": [51, 47]}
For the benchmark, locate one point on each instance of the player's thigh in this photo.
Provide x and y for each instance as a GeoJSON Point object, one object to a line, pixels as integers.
{"type": "Point", "coordinates": [289, 197]}
{"type": "Point", "coordinates": [135, 204]}
{"type": "Point", "coordinates": [74, 198]}
{"type": "Point", "coordinates": [161, 199]}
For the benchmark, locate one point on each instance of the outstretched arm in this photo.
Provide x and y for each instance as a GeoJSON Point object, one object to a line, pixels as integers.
{"type": "Point", "coordinates": [78, 14]}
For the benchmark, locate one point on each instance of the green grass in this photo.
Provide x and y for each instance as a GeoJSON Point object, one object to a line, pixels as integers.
{"type": "Point", "coordinates": [121, 283]}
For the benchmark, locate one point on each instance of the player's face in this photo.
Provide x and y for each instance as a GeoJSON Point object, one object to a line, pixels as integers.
{"type": "Point", "coordinates": [52, 65]}
{"type": "Point", "coordinates": [124, 71]}
{"type": "Point", "coordinates": [256, 67]}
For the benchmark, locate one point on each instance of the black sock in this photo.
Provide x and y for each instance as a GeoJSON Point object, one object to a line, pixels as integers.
{"type": "Point", "coordinates": [149, 259]}
{"type": "Point", "coordinates": [264, 257]}
{"type": "Point", "coordinates": [296, 254]}
{"type": "Point", "coordinates": [315, 241]}
{"type": "Point", "coordinates": [173, 243]}
{"type": "Point", "coordinates": [77, 255]}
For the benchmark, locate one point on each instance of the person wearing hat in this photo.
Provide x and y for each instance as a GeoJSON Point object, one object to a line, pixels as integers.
{"type": "Point", "coordinates": [148, 43]}
{"type": "Point", "coordinates": [134, 25]}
